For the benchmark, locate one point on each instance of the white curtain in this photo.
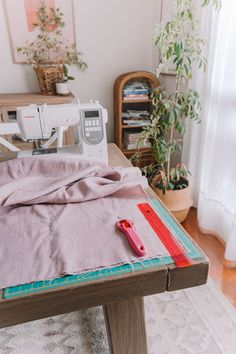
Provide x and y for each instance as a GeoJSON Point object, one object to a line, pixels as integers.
{"type": "Point", "coordinates": [210, 148]}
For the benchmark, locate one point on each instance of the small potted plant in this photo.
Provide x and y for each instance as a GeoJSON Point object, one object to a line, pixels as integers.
{"type": "Point", "coordinates": [178, 44]}
{"type": "Point", "coordinates": [62, 87]}
{"type": "Point", "coordinates": [49, 52]}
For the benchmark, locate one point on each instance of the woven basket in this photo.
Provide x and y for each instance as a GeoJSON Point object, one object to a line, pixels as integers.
{"type": "Point", "coordinates": [47, 78]}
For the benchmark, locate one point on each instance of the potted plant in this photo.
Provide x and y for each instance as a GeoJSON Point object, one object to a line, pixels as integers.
{"type": "Point", "coordinates": [62, 87]}
{"type": "Point", "coordinates": [178, 44]}
{"type": "Point", "coordinates": [49, 52]}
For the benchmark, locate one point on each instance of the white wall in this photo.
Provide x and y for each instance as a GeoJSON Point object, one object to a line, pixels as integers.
{"type": "Point", "coordinates": [115, 36]}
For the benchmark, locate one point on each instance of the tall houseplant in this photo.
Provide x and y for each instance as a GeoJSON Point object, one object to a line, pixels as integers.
{"type": "Point", "coordinates": [50, 51]}
{"type": "Point", "coordinates": [178, 44]}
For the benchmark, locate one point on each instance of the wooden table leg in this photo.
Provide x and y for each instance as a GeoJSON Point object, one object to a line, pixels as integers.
{"type": "Point", "coordinates": [126, 329]}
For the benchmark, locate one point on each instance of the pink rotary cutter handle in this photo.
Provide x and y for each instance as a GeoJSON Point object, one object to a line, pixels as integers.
{"type": "Point", "coordinates": [127, 227]}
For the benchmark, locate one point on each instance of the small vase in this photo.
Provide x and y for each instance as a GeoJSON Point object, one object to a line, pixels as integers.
{"type": "Point", "coordinates": [62, 88]}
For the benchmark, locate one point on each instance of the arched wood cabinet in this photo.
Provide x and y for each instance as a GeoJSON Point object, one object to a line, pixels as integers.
{"type": "Point", "coordinates": [124, 104]}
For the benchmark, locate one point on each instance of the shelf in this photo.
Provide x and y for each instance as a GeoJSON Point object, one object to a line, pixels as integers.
{"type": "Point", "coordinates": [141, 103]}
{"type": "Point", "coordinates": [143, 150]}
{"type": "Point", "coordinates": [21, 99]}
{"type": "Point", "coordinates": [136, 101]}
{"type": "Point", "coordinates": [133, 126]}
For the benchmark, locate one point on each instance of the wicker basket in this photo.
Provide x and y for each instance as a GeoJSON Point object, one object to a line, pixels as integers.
{"type": "Point", "coordinates": [47, 78]}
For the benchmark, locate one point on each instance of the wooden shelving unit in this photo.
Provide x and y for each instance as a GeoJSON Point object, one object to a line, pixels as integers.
{"type": "Point", "coordinates": [121, 105]}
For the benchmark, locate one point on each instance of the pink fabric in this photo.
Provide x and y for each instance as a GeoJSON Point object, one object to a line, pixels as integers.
{"type": "Point", "coordinates": [58, 217]}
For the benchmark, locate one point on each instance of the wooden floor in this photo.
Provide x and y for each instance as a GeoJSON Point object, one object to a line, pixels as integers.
{"type": "Point", "coordinates": [213, 248]}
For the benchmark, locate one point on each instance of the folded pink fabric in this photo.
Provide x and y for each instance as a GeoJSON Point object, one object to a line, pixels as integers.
{"type": "Point", "coordinates": [37, 180]}
{"type": "Point", "coordinates": [58, 217]}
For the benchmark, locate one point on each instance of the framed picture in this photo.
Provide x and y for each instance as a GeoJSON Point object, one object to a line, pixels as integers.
{"type": "Point", "coordinates": [22, 16]}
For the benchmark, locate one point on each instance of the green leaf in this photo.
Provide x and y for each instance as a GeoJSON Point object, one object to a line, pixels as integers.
{"type": "Point", "coordinates": [170, 186]}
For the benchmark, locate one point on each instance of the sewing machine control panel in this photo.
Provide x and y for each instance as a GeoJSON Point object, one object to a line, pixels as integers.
{"type": "Point", "coordinates": [92, 124]}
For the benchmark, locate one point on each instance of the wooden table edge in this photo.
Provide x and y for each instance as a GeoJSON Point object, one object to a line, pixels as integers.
{"type": "Point", "coordinates": [79, 296]}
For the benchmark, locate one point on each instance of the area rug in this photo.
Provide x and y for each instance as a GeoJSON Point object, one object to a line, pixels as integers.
{"type": "Point", "coordinates": [192, 321]}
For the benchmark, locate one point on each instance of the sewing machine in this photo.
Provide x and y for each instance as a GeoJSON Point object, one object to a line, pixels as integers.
{"type": "Point", "coordinates": [48, 122]}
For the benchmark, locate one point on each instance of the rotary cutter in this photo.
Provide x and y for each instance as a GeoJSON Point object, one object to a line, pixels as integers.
{"type": "Point", "coordinates": [127, 228]}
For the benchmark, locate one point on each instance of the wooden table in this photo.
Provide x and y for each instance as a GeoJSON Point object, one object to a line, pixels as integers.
{"type": "Point", "coordinates": [121, 296]}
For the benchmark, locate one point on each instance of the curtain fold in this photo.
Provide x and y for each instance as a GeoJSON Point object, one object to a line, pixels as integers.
{"type": "Point", "coordinates": [210, 148]}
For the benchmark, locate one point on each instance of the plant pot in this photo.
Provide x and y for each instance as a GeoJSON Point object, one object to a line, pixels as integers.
{"type": "Point", "coordinates": [47, 78]}
{"type": "Point", "coordinates": [178, 202]}
{"type": "Point", "coordinates": [62, 88]}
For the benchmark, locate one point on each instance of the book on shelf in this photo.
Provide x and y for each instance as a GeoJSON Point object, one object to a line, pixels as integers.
{"type": "Point", "coordinates": [131, 141]}
{"type": "Point", "coordinates": [131, 137]}
{"type": "Point", "coordinates": [135, 146]}
{"type": "Point", "coordinates": [135, 114]}
{"type": "Point", "coordinates": [135, 97]}
{"type": "Point", "coordinates": [135, 92]}
{"type": "Point", "coordinates": [136, 118]}
{"type": "Point", "coordinates": [137, 86]}
{"type": "Point", "coordinates": [136, 122]}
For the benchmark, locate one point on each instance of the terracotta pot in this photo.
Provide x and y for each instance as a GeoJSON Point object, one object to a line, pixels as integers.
{"type": "Point", "coordinates": [178, 202]}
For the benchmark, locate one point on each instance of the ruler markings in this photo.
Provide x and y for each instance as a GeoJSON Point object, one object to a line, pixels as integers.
{"type": "Point", "coordinates": [174, 247]}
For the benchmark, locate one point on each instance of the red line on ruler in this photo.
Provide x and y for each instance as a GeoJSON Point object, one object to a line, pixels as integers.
{"type": "Point", "coordinates": [175, 249]}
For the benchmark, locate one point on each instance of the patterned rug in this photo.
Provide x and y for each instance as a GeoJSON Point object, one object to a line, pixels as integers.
{"type": "Point", "coordinates": [193, 321]}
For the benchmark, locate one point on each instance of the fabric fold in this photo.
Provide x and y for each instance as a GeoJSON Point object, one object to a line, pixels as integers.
{"type": "Point", "coordinates": [33, 180]}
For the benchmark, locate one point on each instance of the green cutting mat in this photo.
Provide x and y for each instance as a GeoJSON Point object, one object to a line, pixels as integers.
{"type": "Point", "coordinates": [38, 286]}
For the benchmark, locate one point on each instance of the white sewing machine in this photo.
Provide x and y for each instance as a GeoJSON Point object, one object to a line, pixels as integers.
{"type": "Point", "coordinates": [39, 121]}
